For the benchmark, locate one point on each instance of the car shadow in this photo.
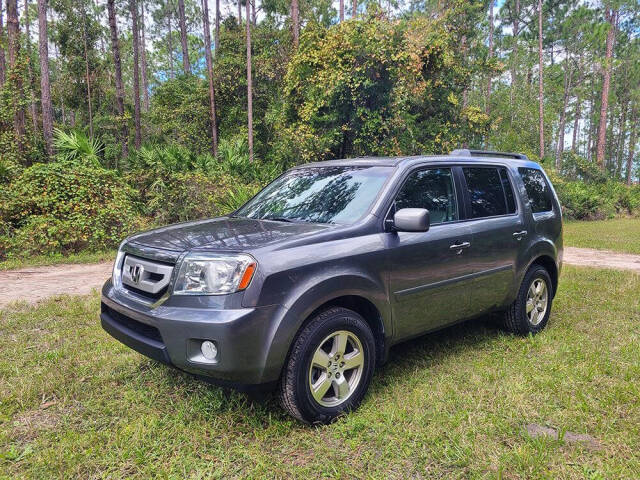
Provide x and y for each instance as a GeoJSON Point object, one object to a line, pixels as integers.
{"type": "Point", "coordinates": [426, 351]}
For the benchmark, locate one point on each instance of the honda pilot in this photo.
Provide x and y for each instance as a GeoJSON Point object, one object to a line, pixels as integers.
{"type": "Point", "coordinates": [307, 286]}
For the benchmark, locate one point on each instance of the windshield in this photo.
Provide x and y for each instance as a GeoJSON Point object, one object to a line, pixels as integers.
{"type": "Point", "coordinates": [319, 195]}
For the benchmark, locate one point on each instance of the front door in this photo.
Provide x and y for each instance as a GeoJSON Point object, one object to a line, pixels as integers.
{"type": "Point", "coordinates": [429, 270]}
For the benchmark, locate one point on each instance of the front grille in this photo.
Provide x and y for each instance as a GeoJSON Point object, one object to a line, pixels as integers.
{"type": "Point", "coordinates": [140, 328]}
{"type": "Point", "coordinates": [142, 293]}
{"type": "Point", "coordinates": [146, 278]}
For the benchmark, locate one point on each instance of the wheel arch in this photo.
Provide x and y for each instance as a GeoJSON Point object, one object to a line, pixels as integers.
{"type": "Point", "coordinates": [357, 293]}
{"type": "Point", "coordinates": [549, 264]}
{"type": "Point", "coordinates": [366, 309]}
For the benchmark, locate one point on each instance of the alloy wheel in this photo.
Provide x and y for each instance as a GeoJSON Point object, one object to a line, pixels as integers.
{"type": "Point", "coordinates": [537, 301]}
{"type": "Point", "coordinates": [336, 368]}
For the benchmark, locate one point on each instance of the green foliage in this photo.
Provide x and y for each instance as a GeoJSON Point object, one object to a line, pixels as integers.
{"type": "Point", "coordinates": [64, 207]}
{"type": "Point", "coordinates": [597, 201]}
{"type": "Point", "coordinates": [173, 158]}
{"type": "Point", "coordinates": [77, 147]}
{"type": "Point", "coordinates": [376, 87]}
{"type": "Point", "coordinates": [174, 184]}
{"type": "Point", "coordinates": [180, 112]}
{"type": "Point", "coordinates": [575, 167]}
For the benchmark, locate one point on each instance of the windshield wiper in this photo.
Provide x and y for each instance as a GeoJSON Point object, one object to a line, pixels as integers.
{"type": "Point", "coordinates": [279, 219]}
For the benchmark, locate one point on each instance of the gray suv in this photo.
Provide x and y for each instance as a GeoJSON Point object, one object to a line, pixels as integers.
{"type": "Point", "coordinates": [307, 286]}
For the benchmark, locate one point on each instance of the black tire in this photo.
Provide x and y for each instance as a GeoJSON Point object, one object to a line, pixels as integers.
{"type": "Point", "coordinates": [295, 385]}
{"type": "Point", "coordinates": [516, 318]}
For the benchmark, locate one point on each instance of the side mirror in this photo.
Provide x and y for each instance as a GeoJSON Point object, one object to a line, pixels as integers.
{"type": "Point", "coordinates": [412, 220]}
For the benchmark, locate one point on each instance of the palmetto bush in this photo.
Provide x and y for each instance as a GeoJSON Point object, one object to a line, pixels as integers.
{"type": "Point", "coordinates": [77, 147]}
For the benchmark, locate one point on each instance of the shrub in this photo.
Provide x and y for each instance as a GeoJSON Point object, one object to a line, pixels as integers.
{"type": "Point", "coordinates": [597, 201]}
{"type": "Point", "coordinates": [178, 197]}
{"type": "Point", "coordinates": [76, 146]}
{"type": "Point", "coordinates": [167, 159]}
{"type": "Point", "coordinates": [65, 207]}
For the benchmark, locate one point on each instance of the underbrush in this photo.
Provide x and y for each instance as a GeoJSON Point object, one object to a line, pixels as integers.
{"type": "Point", "coordinates": [74, 204]}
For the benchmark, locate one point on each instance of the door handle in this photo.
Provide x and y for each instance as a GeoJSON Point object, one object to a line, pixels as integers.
{"type": "Point", "coordinates": [520, 234]}
{"type": "Point", "coordinates": [459, 246]}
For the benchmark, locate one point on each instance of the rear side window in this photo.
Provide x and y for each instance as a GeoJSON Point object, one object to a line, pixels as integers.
{"type": "Point", "coordinates": [538, 190]}
{"type": "Point", "coordinates": [432, 189]}
{"type": "Point", "coordinates": [490, 191]}
{"type": "Point", "coordinates": [508, 191]}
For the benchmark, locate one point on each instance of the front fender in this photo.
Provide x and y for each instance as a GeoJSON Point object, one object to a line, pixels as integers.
{"type": "Point", "coordinates": [308, 297]}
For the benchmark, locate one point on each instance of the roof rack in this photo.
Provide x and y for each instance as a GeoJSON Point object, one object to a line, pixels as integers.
{"type": "Point", "coordinates": [464, 152]}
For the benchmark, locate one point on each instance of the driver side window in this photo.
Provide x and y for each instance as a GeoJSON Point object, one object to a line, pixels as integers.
{"type": "Point", "coordinates": [433, 189]}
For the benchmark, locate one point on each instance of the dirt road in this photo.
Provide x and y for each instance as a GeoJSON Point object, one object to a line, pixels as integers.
{"type": "Point", "coordinates": [37, 283]}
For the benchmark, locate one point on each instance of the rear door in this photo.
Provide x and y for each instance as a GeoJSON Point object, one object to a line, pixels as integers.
{"type": "Point", "coordinates": [497, 227]}
{"type": "Point", "coordinates": [429, 269]}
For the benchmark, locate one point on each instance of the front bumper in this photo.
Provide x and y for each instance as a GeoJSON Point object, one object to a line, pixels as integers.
{"type": "Point", "coordinates": [171, 334]}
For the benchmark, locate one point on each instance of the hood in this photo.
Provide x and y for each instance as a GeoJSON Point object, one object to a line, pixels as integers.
{"type": "Point", "coordinates": [225, 233]}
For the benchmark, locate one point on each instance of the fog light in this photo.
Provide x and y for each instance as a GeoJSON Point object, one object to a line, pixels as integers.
{"type": "Point", "coordinates": [209, 350]}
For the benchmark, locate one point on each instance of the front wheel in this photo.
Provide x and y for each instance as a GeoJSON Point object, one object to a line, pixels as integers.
{"type": "Point", "coordinates": [329, 368]}
{"type": "Point", "coordinates": [529, 313]}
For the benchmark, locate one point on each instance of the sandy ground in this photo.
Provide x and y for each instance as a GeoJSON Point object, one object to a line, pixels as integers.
{"type": "Point", "coordinates": [589, 257]}
{"type": "Point", "coordinates": [37, 283]}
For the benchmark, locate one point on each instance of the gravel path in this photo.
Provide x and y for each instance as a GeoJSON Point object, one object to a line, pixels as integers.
{"type": "Point", "coordinates": [37, 283]}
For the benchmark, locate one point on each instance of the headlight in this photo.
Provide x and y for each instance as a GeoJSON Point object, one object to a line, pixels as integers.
{"type": "Point", "coordinates": [211, 274]}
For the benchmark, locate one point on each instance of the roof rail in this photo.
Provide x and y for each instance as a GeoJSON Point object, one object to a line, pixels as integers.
{"type": "Point", "coordinates": [464, 152]}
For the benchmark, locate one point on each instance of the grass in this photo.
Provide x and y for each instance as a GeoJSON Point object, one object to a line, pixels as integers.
{"type": "Point", "coordinates": [40, 260]}
{"type": "Point", "coordinates": [621, 235]}
{"type": "Point", "coordinates": [77, 404]}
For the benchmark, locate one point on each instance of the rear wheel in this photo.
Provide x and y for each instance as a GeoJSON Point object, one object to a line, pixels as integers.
{"type": "Point", "coordinates": [329, 368]}
{"type": "Point", "coordinates": [529, 313]}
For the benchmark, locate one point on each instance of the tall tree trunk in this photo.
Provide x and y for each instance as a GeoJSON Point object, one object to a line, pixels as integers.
{"type": "Point", "coordinates": [170, 47]}
{"type": "Point", "coordinates": [295, 22]}
{"type": "Point", "coordinates": [622, 136]}
{"type": "Point", "coordinates": [115, 48]}
{"type": "Point", "coordinates": [563, 114]}
{"type": "Point", "coordinates": [13, 48]}
{"type": "Point", "coordinates": [540, 81]}
{"type": "Point", "coordinates": [592, 122]}
{"type": "Point", "coordinates": [183, 37]}
{"type": "Point", "coordinates": [254, 17]}
{"type": "Point", "coordinates": [355, 8]}
{"type": "Point", "coordinates": [249, 88]}
{"type": "Point", "coordinates": [341, 11]}
{"type": "Point", "coordinates": [45, 86]}
{"type": "Point", "coordinates": [86, 72]}
{"type": "Point", "coordinates": [514, 55]}
{"type": "Point", "coordinates": [143, 55]}
{"type": "Point", "coordinates": [3, 64]}
{"type": "Point", "coordinates": [59, 65]}
{"type": "Point", "coordinates": [133, 7]}
{"type": "Point", "coordinates": [491, 27]}
{"type": "Point", "coordinates": [632, 143]}
{"type": "Point", "coordinates": [576, 124]}
{"type": "Point", "coordinates": [33, 109]}
{"type": "Point", "coordinates": [212, 97]}
{"type": "Point", "coordinates": [217, 45]}
{"type": "Point", "coordinates": [611, 17]}
{"type": "Point", "coordinates": [239, 12]}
